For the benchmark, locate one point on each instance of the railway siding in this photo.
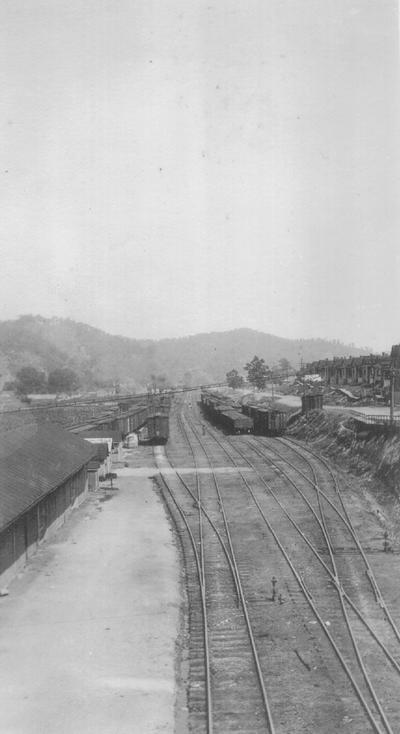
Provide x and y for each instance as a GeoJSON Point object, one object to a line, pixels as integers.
{"type": "Point", "coordinates": [381, 667]}
{"type": "Point", "coordinates": [308, 688]}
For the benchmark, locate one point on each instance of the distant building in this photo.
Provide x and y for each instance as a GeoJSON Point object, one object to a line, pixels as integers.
{"type": "Point", "coordinates": [395, 356]}
{"type": "Point", "coordinates": [43, 475]}
{"type": "Point", "coordinates": [395, 359]}
{"type": "Point", "coordinates": [370, 371]}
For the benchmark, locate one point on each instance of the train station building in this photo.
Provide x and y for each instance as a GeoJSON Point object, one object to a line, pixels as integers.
{"type": "Point", "coordinates": [43, 476]}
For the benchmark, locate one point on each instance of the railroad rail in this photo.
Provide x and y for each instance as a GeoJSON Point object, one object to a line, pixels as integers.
{"type": "Point", "coordinates": [363, 687]}
{"type": "Point", "coordinates": [234, 688]}
{"type": "Point", "coordinates": [349, 525]}
{"type": "Point", "coordinates": [340, 582]}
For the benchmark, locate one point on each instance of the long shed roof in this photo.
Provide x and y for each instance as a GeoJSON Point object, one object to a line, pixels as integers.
{"type": "Point", "coordinates": [35, 459]}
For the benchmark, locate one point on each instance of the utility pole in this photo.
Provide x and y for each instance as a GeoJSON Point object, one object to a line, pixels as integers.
{"type": "Point", "coordinates": [392, 397]}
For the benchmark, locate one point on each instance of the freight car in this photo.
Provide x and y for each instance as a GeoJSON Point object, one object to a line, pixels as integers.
{"type": "Point", "coordinates": [157, 425]}
{"type": "Point", "coordinates": [125, 422]}
{"type": "Point", "coordinates": [267, 421]}
{"type": "Point", "coordinates": [235, 422]}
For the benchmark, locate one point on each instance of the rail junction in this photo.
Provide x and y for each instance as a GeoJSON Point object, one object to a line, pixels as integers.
{"type": "Point", "coordinates": [288, 630]}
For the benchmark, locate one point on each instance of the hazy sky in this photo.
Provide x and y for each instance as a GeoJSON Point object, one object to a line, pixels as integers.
{"type": "Point", "coordinates": [177, 166]}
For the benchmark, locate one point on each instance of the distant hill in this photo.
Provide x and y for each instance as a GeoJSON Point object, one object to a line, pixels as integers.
{"type": "Point", "coordinates": [99, 358]}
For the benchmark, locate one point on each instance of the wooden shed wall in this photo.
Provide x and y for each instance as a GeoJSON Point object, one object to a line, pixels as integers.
{"type": "Point", "coordinates": [20, 539]}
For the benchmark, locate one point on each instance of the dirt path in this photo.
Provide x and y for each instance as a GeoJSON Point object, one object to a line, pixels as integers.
{"type": "Point", "coordinates": [88, 632]}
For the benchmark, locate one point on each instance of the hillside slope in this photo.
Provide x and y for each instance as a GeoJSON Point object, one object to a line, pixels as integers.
{"type": "Point", "coordinates": [371, 456]}
{"type": "Point", "coordinates": [97, 356]}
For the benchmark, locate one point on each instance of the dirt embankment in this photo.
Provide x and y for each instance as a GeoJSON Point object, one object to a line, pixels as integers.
{"type": "Point", "coordinates": [368, 455]}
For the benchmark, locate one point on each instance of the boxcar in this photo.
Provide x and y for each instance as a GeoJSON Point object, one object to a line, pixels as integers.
{"type": "Point", "coordinates": [268, 421]}
{"type": "Point", "coordinates": [235, 422]}
{"type": "Point", "coordinates": [157, 428]}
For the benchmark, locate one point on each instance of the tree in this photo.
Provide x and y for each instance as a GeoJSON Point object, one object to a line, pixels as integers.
{"type": "Point", "coordinates": [30, 380]}
{"type": "Point", "coordinates": [234, 379]}
{"type": "Point", "coordinates": [257, 372]}
{"type": "Point", "coordinates": [63, 379]}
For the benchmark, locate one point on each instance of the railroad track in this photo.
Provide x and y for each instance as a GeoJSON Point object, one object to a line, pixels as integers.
{"type": "Point", "coordinates": [226, 690]}
{"type": "Point", "coordinates": [349, 641]}
{"type": "Point", "coordinates": [325, 481]}
{"type": "Point", "coordinates": [353, 581]}
{"type": "Point", "coordinates": [342, 540]}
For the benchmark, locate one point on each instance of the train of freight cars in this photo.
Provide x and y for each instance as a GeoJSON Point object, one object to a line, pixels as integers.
{"type": "Point", "coordinates": [249, 419]}
{"type": "Point", "coordinates": [223, 414]}
{"type": "Point", "coordinates": [150, 421]}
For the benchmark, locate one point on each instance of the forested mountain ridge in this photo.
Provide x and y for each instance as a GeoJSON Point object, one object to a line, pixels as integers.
{"type": "Point", "coordinates": [98, 357]}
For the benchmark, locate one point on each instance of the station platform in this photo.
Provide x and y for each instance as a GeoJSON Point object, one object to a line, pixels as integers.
{"type": "Point", "coordinates": [88, 632]}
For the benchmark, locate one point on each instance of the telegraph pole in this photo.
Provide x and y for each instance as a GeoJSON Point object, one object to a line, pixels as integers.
{"type": "Point", "coordinates": [392, 397]}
